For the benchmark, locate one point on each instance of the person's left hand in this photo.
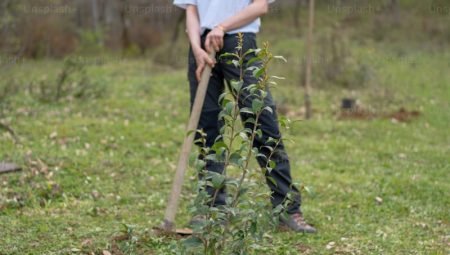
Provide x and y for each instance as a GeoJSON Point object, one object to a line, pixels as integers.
{"type": "Point", "coordinates": [214, 39]}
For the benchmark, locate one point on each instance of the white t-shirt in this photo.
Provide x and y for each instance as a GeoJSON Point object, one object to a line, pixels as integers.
{"type": "Point", "coordinates": [213, 12]}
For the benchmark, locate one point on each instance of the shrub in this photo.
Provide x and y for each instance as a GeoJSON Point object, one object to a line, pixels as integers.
{"type": "Point", "coordinates": [71, 83]}
{"type": "Point", "coordinates": [240, 226]}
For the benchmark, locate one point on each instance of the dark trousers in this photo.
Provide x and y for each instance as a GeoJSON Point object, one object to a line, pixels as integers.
{"type": "Point", "coordinates": [211, 125]}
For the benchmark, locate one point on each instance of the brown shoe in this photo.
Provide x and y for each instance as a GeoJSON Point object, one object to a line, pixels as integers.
{"type": "Point", "coordinates": [296, 222]}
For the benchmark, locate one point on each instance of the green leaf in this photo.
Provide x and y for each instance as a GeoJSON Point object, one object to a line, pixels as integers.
{"type": "Point", "coordinates": [229, 54]}
{"type": "Point", "coordinates": [235, 158]}
{"type": "Point", "coordinates": [272, 180]}
{"type": "Point", "coordinates": [227, 118]}
{"type": "Point", "coordinates": [270, 148]}
{"type": "Point", "coordinates": [244, 136]}
{"type": "Point", "coordinates": [222, 115]}
{"type": "Point", "coordinates": [253, 229]}
{"type": "Point", "coordinates": [229, 107]}
{"type": "Point", "coordinates": [253, 90]}
{"type": "Point", "coordinates": [219, 137]}
{"type": "Point", "coordinates": [217, 180]}
{"type": "Point", "coordinates": [271, 140]}
{"type": "Point", "coordinates": [221, 97]}
{"type": "Point", "coordinates": [269, 109]}
{"type": "Point", "coordinates": [219, 146]}
{"type": "Point", "coordinates": [260, 155]}
{"type": "Point", "coordinates": [211, 157]}
{"type": "Point", "coordinates": [232, 182]}
{"type": "Point", "coordinates": [251, 68]}
{"type": "Point", "coordinates": [257, 105]}
{"type": "Point", "coordinates": [237, 85]}
{"type": "Point", "coordinates": [284, 121]}
{"type": "Point", "coordinates": [272, 164]}
{"type": "Point", "coordinates": [225, 101]}
{"type": "Point", "coordinates": [251, 87]}
{"type": "Point", "coordinates": [263, 93]}
{"type": "Point", "coordinates": [250, 121]}
{"type": "Point", "coordinates": [200, 165]}
{"type": "Point", "coordinates": [259, 133]}
{"type": "Point", "coordinates": [192, 242]}
{"type": "Point", "coordinates": [309, 190]}
{"type": "Point", "coordinates": [252, 60]}
{"type": "Point", "coordinates": [250, 51]}
{"type": "Point", "coordinates": [257, 51]}
{"type": "Point", "coordinates": [242, 191]}
{"type": "Point", "coordinates": [258, 72]}
{"type": "Point", "coordinates": [248, 130]}
{"type": "Point", "coordinates": [246, 110]}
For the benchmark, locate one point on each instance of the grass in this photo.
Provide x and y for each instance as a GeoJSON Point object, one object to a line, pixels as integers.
{"type": "Point", "coordinates": [97, 172]}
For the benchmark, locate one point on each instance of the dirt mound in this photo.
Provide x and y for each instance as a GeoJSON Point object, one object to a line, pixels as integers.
{"type": "Point", "coordinates": [401, 115]}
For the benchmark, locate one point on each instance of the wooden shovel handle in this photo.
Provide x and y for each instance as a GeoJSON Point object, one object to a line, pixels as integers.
{"type": "Point", "coordinates": [172, 205]}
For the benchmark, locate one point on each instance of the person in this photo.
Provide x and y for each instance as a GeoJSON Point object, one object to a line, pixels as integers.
{"type": "Point", "coordinates": [213, 25]}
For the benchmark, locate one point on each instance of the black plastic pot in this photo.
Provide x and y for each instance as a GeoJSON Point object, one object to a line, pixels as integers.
{"type": "Point", "coordinates": [348, 103]}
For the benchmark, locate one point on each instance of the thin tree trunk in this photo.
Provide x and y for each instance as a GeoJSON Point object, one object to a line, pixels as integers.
{"type": "Point", "coordinates": [395, 11]}
{"type": "Point", "coordinates": [176, 31]}
{"type": "Point", "coordinates": [94, 14]}
{"type": "Point", "coordinates": [5, 25]}
{"type": "Point", "coordinates": [296, 14]}
{"type": "Point", "coordinates": [176, 34]}
{"type": "Point", "coordinates": [94, 6]}
{"type": "Point", "coordinates": [125, 24]}
{"type": "Point", "coordinates": [309, 60]}
{"type": "Point", "coordinates": [79, 14]}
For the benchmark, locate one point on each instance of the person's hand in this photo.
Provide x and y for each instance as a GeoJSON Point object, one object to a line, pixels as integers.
{"type": "Point", "coordinates": [202, 59]}
{"type": "Point", "coordinates": [214, 39]}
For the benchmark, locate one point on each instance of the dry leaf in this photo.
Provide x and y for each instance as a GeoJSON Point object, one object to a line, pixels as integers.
{"type": "Point", "coordinates": [86, 242]}
{"type": "Point", "coordinates": [379, 200]}
{"type": "Point", "coordinates": [53, 135]}
{"type": "Point", "coordinates": [330, 245]}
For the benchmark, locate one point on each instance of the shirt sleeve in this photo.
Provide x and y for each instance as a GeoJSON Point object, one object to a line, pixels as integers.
{"type": "Point", "coordinates": [184, 3]}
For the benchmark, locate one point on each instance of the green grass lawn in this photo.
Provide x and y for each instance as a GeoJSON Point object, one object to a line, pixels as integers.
{"type": "Point", "coordinates": [93, 167]}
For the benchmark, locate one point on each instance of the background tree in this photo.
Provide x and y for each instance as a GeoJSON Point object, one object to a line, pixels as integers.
{"type": "Point", "coordinates": [309, 60]}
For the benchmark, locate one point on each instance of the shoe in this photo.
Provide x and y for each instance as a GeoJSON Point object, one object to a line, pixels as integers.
{"type": "Point", "coordinates": [296, 222]}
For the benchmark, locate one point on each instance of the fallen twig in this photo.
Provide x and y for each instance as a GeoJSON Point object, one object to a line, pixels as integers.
{"type": "Point", "coordinates": [9, 167]}
{"type": "Point", "coordinates": [10, 131]}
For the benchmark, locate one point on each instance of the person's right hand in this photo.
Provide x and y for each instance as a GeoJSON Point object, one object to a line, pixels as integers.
{"type": "Point", "coordinates": [202, 59]}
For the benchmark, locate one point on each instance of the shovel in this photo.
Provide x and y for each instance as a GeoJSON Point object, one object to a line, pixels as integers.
{"type": "Point", "coordinates": [172, 206]}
